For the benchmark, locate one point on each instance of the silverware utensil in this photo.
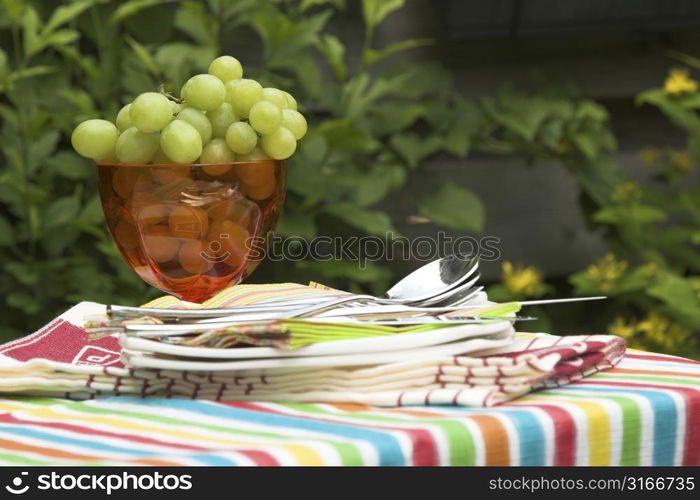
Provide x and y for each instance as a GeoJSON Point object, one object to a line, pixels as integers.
{"type": "Point", "coordinates": [435, 278]}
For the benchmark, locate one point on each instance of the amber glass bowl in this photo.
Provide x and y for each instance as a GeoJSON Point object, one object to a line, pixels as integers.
{"type": "Point", "coordinates": [192, 230]}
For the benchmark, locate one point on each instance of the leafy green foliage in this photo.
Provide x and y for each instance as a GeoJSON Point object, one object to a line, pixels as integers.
{"type": "Point", "coordinates": [85, 59]}
{"type": "Point", "coordinates": [375, 118]}
{"type": "Point", "coordinates": [652, 229]}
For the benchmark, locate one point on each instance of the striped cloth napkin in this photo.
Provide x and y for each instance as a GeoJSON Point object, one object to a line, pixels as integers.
{"type": "Point", "coordinates": [60, 360]}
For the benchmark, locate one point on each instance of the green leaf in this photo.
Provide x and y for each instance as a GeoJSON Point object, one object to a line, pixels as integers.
{"type": "Point", "coordinates": [309, 75]}
{"type": "Point", "coordinates": [7, 233]}
{"type": "Point", "coordinates": [413, 148]}
{"type": "Point", "coordinates": [346, 135]}
{"type": "Point", "coordinates": [624, 214]}
{"type": "Point", "coordinates": [359, 95]}
{"type": "Point", "coordinates": [372, 186]}
{"type": "Point", "coordinates": [307, 4]}
{"type": "Point", "coordinates": [132, 7]}
{"type": "Point", "coordinates": [27, 73]}
{"type": "Point", "coordinates": [62, 212]}
{"type": "Point", "coordinates": [23, 301]}
{"type": "Point", "coordinates": [30, 30]}
{"type": "Point", "coordinates": [144, 55]}
{"type": "Point", "coordinates": [40, 149]}
{"type": "Point", "coordinates": [338, 268]}
{"type": "Point", "coordinates": [334, 51]}
{"type": "Point", "coordinates": [599, 178]}
{"type": "Point", "coordinates": [691, 61]}
{"type": "Point", "coordinates": [179, 60]}
{"type": "Point", "coordinates": [193, 19]}
{"type": "Point", "coordinates": [371, 56]}
{"type": "Point", "coordinates": [391, 117]}
{"type": "Point", "coordinates": [374, 11]}
{"type": "Point", "coordinates": [313, 149]}
{"type": "Point", "coordinates": [468, 123]}
{"type": "Point", "coordinates": [55, 240]}
{"type": "Point", "coordinates": [586, 142]}
{"type": "Point", "coordinates": [66, 13]}
{"type": "Point", "coordinates": [91, 214]}
{"type": "Point", "coordinates": [369, 221]}
{"type": "Point", "coordinates": [671, 107]}
{"type": "Point", "coordinates": [59, 38]}
{"type": "Point", "coordinates": [680, 296]}
{"type": "Point", "coordinates": [24, 272]}
{"type": "Point", "coordinates": [300, 225]}
{"type": "Point", "coordinates": [455, 207]}
{"type": "Point", "coordinates": [520, 114]}
{"type": "Point", "coordinates": [287, 40]}
{"type": "Point", "coordinates": [70, 165]}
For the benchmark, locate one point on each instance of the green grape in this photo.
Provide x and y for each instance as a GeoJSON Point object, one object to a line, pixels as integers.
{"type": "Point", "coordinates": [176, 107]}
{"type": "Point", "coordinates": [265, 117]}
{"type": "Point", "coordinates": [276, 97]}
{"type": "Point", "coordinates": [204, 92]}
{"type": "Point", "coordinates": [226, 68]}
{"type": "Point", "coordinates": [294, 122]}
{"type": "Point", "coordinates": [221, 119]}
{"type": "Point", "coordinates": [216, 152]}
{"type": "Point", "coordinates": [95, 139]}
{"type": "Point", "coordinates": [256, 154]}
{"type": "Point", "coordinates": [198, 120]}
{"type": "Point", "coordinates": [228, 87]}
{"type": "Point", "coordinates": [280, 144]}
{"type": "Point", "coordinates": [134, 146]}
{"type": "Point", "coordinates": [181, 142]}
{"type": "Point", "coordinates": [244, 95]}
{"type": "Point", "coordinates": [150, 112]}
{"type": "Point", "coordinates": [241, 138]}
{"type": "Point", "coordinates": [291, 102]}
{"type": "Point", "coordinates": [160, 158]}
{"type": "Point", "coordinates": [110, 157]}
{"type": "Point", "coordinates": [124, 118]}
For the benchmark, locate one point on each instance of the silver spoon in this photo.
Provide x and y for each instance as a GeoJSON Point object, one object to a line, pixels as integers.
{"type": "Point", "coordinates": [435, 278]}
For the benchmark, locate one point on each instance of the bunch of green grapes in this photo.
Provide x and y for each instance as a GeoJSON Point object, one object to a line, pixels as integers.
{"type": "Point", "coordinates": [220, 117]}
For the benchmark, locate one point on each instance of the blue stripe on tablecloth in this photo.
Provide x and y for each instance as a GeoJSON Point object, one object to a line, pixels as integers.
{"type": "Point", "coordinates": [100, 446]}
{"type": "Point", "coordinates": [665, 415]}
{"type": "Point", "coordinates": [529, 428]}
{"type": "Point", "coordinates": [387, 446]}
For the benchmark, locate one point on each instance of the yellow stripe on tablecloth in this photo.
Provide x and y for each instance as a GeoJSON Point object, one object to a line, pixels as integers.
{"type": "Point", "coordinates": [303, 454]}
{"type": "Point", "coordinates": [597, 420]}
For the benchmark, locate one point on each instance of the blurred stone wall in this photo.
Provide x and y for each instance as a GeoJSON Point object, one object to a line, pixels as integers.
{"type": "Point", "coordinates": [610, 49]}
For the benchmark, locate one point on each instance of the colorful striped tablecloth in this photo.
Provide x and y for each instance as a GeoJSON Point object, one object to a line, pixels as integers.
{"type": "Point", "coordinates": [645, 411]}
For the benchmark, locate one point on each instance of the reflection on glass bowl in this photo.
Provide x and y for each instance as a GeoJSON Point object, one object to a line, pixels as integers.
{"type": "Point", "coordinates": [192, 230]}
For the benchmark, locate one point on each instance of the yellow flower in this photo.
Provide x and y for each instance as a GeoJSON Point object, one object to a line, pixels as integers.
{"type": "Point", "coordinates": [678, 82]}
{"type": "Point", "coordinates": [564, 147]}
{"type": "Point", "coordinates": [680, 160]}
{"type": "Point", "coordinates": [519, 280]}
{"type": "Point", "coordinates": [627, 191]}
{"type": "Point", "coordinates": [621, 329]}
{"type": "Point", "coordinates": [658, 329]}
{"type": "Point", "coordinates": [654, 323]}
{"type": "Point", "coordinates": [606, 271]}
{"type": "Point", "coordinates": [654, 332]}
{"type": "Point", "coordinates": [650, 156]}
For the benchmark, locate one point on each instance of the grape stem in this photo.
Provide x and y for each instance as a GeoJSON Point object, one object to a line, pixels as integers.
{"type": "Point", "coordinates": [161, 89]}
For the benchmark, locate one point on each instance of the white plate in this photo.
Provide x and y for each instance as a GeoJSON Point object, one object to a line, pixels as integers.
{"type": "Point", "coordinates": [136, 359]}
{"type": "Point", "coordinates": [354, 346]}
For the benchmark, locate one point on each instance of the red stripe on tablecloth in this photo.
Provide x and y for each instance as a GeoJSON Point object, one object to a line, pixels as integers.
{"type": "Point", "coordinates": [691, 444]}
{"type": "Point", "coordinates": [665, 359]}
{"type": "Point", "coordinates": [564, 431]}
{"type": "Point", "coordinates": [424, 453]}
{"type": "Point", "coordinates": [258, 457]}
